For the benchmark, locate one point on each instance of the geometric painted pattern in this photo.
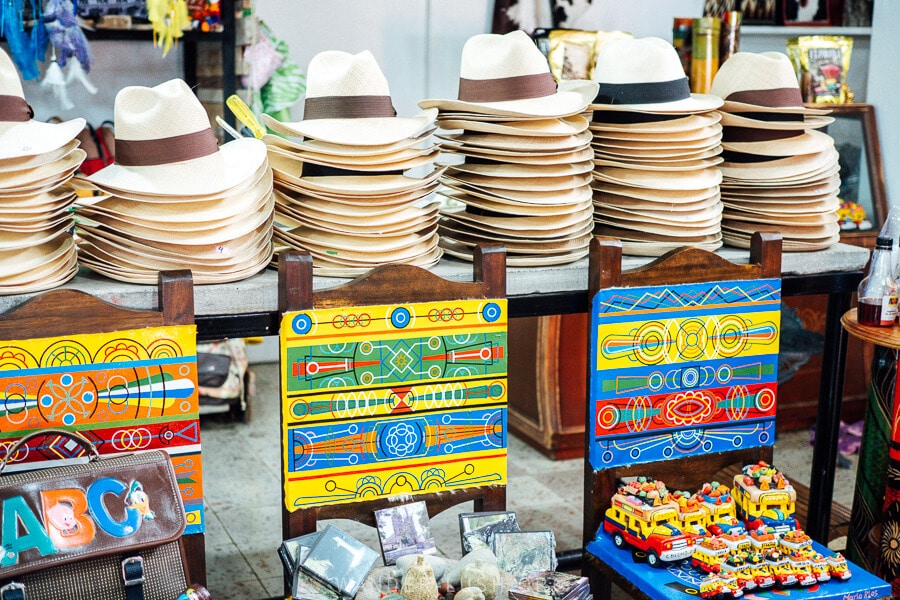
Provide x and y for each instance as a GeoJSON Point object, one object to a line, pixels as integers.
{"type": "Point", "coordinates": [383, 400]}
{"type": "Point", "coordinates": [683, 369]}
{"type": "Point", "coordinates": [126, 391]}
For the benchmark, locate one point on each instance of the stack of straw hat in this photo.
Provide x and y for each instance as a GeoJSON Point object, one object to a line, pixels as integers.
{"type": "Point", "coordinates": [656, 151]}
{"type": "Point", "coordinates": [519, 155]}
{"type": "Point", "coordinates": [37, 161]}
{"type": "Point", "coordinates": [174, 199]}
{"type": "Point", "coordinates": [357, 189]}
{"type": "Point", "coordinates": [780, 174]}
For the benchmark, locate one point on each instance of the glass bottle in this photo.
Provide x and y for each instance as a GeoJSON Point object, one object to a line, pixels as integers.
{"type": "Point", "coordinates": [877, 293]}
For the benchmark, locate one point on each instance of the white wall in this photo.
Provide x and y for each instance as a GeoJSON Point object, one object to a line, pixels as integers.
{"type": "Point", "coordinates": [884, 90]}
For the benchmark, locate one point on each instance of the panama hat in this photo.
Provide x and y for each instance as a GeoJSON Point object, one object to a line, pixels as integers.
{"type": "Point", "coordinates": [772, 120]}
{"type": "Point", "coordinates": [348, 101]}
{"type": "Point", "coordinates": [645, 75]}
{"type": "Point", "coordinates": [508, 75]}
{"type": "Point", "coordinates": [768, 142]}
{"type": "Point", "coordinates": [688, 122]}
{"type": "Point", "coordinates": [760, 82]}
{"type": "Point", "coordinates": [20, 134]}
{"type": "Point", "coordinates": [537, 127]}
{"type": "Point", "coordinates": [528, 144]}
{"type": "Point", "coordinates": [165, 146]}
{"type": "Point", "coordinates": [349, 150]}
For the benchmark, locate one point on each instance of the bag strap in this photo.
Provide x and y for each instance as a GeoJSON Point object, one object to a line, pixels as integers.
{"type": "Point", "coordinates": [133, 577]}
{"type": "Point", "coordinates": [75, 436]}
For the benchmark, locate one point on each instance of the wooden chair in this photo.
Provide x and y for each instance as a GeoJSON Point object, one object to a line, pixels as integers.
{"type": "Point", "coordinates": [59, 315]}
{"type": "Point", "coordinates": [680, 468]}
{"type": "Point", "coordinates": [391, 476]}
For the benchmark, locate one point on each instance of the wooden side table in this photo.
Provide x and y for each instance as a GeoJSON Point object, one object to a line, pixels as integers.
{"type": "Point", "coordinates": [874, 538]}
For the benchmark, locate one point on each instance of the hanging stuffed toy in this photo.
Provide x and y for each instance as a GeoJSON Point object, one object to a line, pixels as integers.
{"type": "Point", "coordinates": [24, 49]}
{"type": "Point", "coordinates": [68, 46]}
{"type": "Point", "coordinates": [170, 19]}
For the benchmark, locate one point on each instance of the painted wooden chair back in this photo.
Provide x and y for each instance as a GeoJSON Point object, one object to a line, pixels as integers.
{"type": "Point", "coordinates": [125, 378]}
{"type": "Point", "coordinates": [682, 376]}
{"type": "Point", "coordinates": [393, 390]}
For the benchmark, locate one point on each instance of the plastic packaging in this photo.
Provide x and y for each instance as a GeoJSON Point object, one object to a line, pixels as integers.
{"type": "Point", "coordinates": [821, 63]}
{"type": "Point", "coordinates": [877, 293]}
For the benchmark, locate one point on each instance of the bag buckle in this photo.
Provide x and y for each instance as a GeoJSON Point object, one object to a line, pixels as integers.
{"type": "Point", "coordinates": [133, 571]}
{"type": "Point", "coordinates": [13, 591]}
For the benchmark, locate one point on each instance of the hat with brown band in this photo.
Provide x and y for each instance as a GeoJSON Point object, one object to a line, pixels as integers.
{"type": "Point", "coordinates": [508, 75]}
{"type": "Point", "coordinates": [20, 134]}
{"type": "Point", "coordinates": [762, 82]}
{"type": "Point", "coordinates": [165, 146]}
{"type": "Point", "coordinates": [348, 101]}
{"type": "Point", "coordinates": [645, 75]}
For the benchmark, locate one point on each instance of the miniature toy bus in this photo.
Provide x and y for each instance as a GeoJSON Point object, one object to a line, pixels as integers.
{"type": "Point", "coordinates": [652, 529]}
{"type": "Point", "coordinates": [763, 496]}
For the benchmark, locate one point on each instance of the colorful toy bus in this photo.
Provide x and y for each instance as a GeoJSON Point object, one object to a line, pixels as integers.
{"type": "Point", "coordinates": [763, 496]}
{"type": "Point", "coordinates": [651, 529]}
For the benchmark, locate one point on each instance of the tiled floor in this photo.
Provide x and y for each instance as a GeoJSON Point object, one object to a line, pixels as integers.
{"type": "Point", "coordinates": [241, 484]}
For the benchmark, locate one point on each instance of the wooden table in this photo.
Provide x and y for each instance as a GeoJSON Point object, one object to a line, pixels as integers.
{"type": "Point", "coordinates": [874, 538]}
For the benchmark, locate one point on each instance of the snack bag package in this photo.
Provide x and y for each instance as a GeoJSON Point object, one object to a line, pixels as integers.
{"type": "Point", "coordinates": [821, 63]}
{"type": "Point", "coordinates": [571, 53]}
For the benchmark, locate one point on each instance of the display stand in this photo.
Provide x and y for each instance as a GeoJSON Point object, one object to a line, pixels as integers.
{"type": "Point", "coordinates": [874, 538]}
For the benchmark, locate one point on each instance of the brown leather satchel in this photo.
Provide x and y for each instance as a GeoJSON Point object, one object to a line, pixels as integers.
{"type": "Point", "coordinates": [109, 528]}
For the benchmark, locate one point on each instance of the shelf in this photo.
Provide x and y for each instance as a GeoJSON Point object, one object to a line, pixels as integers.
{"type": "Point", "coordinates": [794, 30]}
{"type": "Point", "coordinates": [146, 35]}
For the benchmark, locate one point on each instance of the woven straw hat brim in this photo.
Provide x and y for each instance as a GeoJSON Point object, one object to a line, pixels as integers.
{"type": "Point", "coordinates": [348, 150]}
{"type": "Point", "coordinates": [233, 254]}
{"type": "Point", "coordinates": [298, 161]}
{"type": "Point", "coordinates": [383, 160]}
{"type": "Point", "coordinates": [697, 103]}
{"type": "Point", "coordinates": [464, 252]}
{"type": "Point", "coordinates": [808, 122]}
{"type": "Point", "coordinates": [369, 131]}
{"type": "Point", "coordinates": [487, 142]}
{"type": "Point", "coordinates": [220, 208]}
{"type": "Point", "coordinates": [578, 242]}
{"type": "Point", "coordinates": [571, 98]}
{"type": "Point", "coordinates": [151, 276]}
{"type": "Point", "coordinates": [673, 165]}
{"type": "Point", "coordinates": [702, 217]}
{"type": "Point", "coordinates": [796, 232]}
{"type": "Point", "coordinates": [215, 233]}
{"type": "Point", "coordinates": [233, 164]}
{"type": "Point", "coordinates": [638, 235]}
{"type": "Point", "coordinates": [799, 166]}
{"type": "Point", "coordinates": [809, 142]}
{"type": "Point", "coordinates": [546, 184]}
{"type": "Point", "coordinates": [38, 160]}
{"type": "Point", "coordinates": [570, 125]}
{"type": "Point", "coordinates": [686, 123]}
{"type": "Point", "coordinates": [501, 207]}
{"type": "Point", "coordinates": [31, 138]}
{"type": "Point", "coordinates": [676, 180]}
{"type": "Point", "coordinates": [518, 170]}
{"type": "Point", "coordinates": [366, 246]}
{"type": "Point", "coordinates": [571, 196]}
{"type": "Point", "coordinates": [655, 195]}
{"type": "Point", "coordinates": [18, 261]}
{"type": "Point", "coordinates": [61, 168]}
{"type": "Point", "coordinates": [459, 230]}
{"type": "Point", "coordinates": [43, 278]}
{"type": "Point", "coordinates": [658, 204]}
